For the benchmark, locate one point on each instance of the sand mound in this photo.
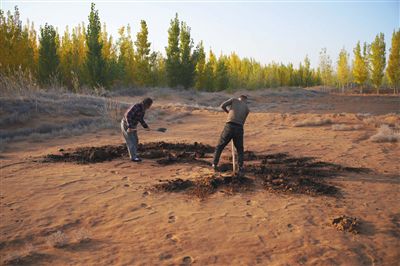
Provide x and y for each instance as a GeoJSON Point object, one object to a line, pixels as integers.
{"type": "Point", "coordinates": [205, 185]}
{"type": "Point", "coordinates": [344, 127]}
{"type": "Point", "coordinates": [312, 122]}
{"type": "Point", "coordinates": [386, 134]}
{"type": "Point", "coordinates": [88, 154]}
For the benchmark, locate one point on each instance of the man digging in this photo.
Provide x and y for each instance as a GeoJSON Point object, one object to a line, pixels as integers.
{"type": "Point", "coordinates": [237, 114]}
{"type": "Point", "coordinates": [129, 122]}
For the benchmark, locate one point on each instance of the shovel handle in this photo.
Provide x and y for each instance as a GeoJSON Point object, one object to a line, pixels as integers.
{"type": "Point", "coordinates": [161, 129]}
{"type": "Point", "coordinates": [233, 158]}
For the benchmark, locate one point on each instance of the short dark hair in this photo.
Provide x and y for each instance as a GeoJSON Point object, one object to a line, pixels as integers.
{"type": "Point", "coordinates": [243, 96]}
{"type": "Point", "coordinates": [147, 102]}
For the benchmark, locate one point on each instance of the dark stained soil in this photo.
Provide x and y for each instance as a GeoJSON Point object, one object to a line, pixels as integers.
{"type": "Point", "coordinates": [167, 153]}
{"type": "Point", "coordinates": [304, 175]}
{"type": "Point", "coordinates": [277, 172]}
{"type": "Point", "coordinates": [31, 258]}
{"type": "Point", "coordinates": [88, 154]}
{"type": "Point", "coordinates": [183, 157]}
{"type": "Point", "coordinates": [176, 185]}
{"type": "Point", "coordinates": [206, 185]}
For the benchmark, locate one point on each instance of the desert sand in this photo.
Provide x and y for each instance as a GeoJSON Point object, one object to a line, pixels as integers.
{"type": "Point", "coordinates": [109, 213]}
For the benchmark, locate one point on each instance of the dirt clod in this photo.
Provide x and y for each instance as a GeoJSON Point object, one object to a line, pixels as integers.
{"type": "Point", "coordinates": [346, 224]}
{"type": "Point", "coordinates": [175, 185]}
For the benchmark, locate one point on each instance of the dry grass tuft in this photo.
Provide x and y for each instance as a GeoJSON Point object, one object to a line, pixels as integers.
{"type": "Point", "coordinates": [82, 235]}
{"type": "Point", "coordinates": [112, 110]}
{"type": "Point", "coordinates": [344, 127]}
{"type": "Point", "coordinates": [386, 134]}
{"type": "Point", "coordinates": [20, 83]}
{"type": "Point", "coordinates": [58, 240]}
{"type": "Point", "coordinates": [314, 121]}
{"type": "Point", "coordinates": [21, 115]}
{"type": "Point", "coordinates": [376, 121]}
{"type": "Point", "coordinates": [371, 121]}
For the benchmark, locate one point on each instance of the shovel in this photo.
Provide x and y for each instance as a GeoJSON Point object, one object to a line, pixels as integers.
{"type": "Point", "coordinates": [233, 159]}
{"type": "Point", "coordinates": [160, 129]}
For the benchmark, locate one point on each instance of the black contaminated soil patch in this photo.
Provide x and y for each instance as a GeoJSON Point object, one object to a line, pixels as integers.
{"type": "Point", "coordinates": [203, 186]}
{"type": "Point", "coordinates": [277, 172]}
{"type": "Point", "coordinates": [88, 154]}
{"type": "Point", "coordinates": [165, 153]}
{"type": "Point", "coordinates": [304, 175]}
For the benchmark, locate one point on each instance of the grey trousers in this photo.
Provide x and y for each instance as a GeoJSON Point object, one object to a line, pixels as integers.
{"type": "Point", "coordinates": [131, 139]}
{"type": "Point", "coordinates": [231, 132]}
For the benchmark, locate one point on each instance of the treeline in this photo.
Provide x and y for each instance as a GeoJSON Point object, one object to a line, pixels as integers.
{"type": "Point", "coordinates": [89, 56]}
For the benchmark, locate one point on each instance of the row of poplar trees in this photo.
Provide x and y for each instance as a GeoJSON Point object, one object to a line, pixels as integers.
{"type": "Point", "coordinates": [88, 56]}
{"type": "Point", "coordinates": [368, 67]}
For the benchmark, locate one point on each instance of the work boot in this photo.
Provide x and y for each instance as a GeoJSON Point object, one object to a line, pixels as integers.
{"type": "Point", "coordinates": [136, 160]}
{"type": "Point", "coordinates": [241, 171]}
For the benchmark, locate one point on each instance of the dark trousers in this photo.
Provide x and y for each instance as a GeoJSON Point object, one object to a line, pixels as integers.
{"type": "Point", "coordinates": [231, 131]}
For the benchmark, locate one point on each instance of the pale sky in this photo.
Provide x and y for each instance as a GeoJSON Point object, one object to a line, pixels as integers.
{"type": "Point", "coordinates": [280, 31]}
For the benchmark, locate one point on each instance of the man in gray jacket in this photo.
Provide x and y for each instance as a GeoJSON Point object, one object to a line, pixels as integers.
{"type": "Point", "coordinates": [237, 114]}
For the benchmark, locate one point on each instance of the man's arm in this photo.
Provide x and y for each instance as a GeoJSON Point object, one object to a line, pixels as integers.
{"type": "Point", "coordinates": [142, 122]}
{"type": "Point", "coordinates": [247, 112]}
{"type": "Point", "coordinates": [226, 104]}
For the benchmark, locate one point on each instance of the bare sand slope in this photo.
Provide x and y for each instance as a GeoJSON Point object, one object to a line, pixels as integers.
{"type": "Point", "coordinates": [109, 214]}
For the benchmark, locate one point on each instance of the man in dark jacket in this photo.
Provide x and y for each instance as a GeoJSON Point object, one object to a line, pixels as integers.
{"type": "Point", "coordinates": [237, 114]}
{"type": "Point", "coordinates": [129, 122]}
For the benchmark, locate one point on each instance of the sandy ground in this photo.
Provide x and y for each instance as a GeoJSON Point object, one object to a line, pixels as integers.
{"type": "Point", "coordinates": [107, 214]}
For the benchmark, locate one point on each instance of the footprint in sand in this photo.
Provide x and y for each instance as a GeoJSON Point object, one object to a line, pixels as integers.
{"type": "Point", "coordinates": [187, 261]}
{"type": "Point", "coordinates": [171, 237]}
{"type": "Point", "coordinates": [249, 202]}
{"type": "Point", "coordinates": [146, 206]}
{"type": "Point", "coordinates": [165, 256]}
{"type": "Point", "coordinates": [171, 218]}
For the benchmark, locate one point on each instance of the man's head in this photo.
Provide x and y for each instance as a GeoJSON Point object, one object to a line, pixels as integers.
{"type": "Point", "coordinates": [243, 98]}
{"type": "Point", "coordinates": [147, 102]}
